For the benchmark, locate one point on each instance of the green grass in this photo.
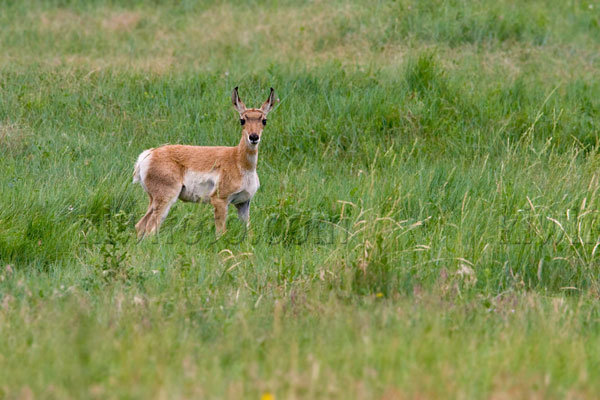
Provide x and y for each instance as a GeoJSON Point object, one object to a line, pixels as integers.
{"type": "Point", "coordinates": [427, 225]}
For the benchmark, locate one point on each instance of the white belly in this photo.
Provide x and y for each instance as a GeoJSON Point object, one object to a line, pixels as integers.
{"type": "Point", "coordinates": [199, 186]}
{"type": "Point", "coordinates": [250, 185]}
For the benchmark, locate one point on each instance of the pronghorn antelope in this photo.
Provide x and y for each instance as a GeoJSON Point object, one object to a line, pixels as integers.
{"type": "Point", "coordinates": [216, 174]}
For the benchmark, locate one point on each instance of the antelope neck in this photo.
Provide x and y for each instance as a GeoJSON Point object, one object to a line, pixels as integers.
{"type": "Point", "coordinates": [248, 156]}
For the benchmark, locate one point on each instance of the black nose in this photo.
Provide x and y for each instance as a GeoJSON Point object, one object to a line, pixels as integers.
{"type": "Point", "coordinates": [253, 137]}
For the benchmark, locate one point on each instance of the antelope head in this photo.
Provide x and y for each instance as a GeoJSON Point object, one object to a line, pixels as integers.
{"type": "Point", "coordinates": [253, 120]}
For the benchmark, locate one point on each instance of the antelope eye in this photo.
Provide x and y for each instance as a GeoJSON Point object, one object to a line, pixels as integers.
{"type": "Point", "coordinates": [264, 121]}
{"type": "Point", "coordinates": [242, 121]}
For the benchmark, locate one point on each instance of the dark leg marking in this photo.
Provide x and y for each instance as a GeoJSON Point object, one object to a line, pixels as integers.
{"type": "Point", "coordinates": [243, 210]}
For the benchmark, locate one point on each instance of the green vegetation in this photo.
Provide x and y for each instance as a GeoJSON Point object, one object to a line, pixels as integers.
{"type": "Point", "coordinates": [427, 225]}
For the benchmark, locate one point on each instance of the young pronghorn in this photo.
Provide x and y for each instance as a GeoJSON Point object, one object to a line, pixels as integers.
{"type": "Point", "coordinates": [216, 174]}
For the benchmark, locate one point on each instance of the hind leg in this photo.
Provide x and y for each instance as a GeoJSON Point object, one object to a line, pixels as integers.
{"type": "Point", "coordinates": [163, 185]}
{"type": "Point", "coordinates": [140, 227]}
{"type": "Point", "coordinates": [160, 208]}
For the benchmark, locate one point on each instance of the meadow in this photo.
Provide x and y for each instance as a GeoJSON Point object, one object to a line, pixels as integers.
{"type": "Point", "coordinates": [427, 224]}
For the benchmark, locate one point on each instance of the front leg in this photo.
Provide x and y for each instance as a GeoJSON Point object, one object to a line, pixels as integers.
{"type": "Point", "coordinates": [220, 206]}
{"type": "Point", "coordinates": [243, 210]}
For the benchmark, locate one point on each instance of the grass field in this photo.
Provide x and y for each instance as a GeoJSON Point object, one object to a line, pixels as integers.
{"type": "Point", "coordinates": [428, 223]}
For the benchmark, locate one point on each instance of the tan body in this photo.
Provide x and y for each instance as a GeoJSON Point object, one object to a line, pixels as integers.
{"type": "Point", "coordinates": [215, 174]}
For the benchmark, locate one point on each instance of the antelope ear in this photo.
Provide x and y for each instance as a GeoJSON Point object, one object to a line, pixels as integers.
{"type": "Point", "coordinates": [238, 104]}
{"type": "Point", "coordinates": [268, 105]}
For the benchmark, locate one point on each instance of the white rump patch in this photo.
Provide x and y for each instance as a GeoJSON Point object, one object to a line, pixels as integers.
{"type": "Point", "coordinates": [199, 186]}
{"type": "Point", "coordinates": [141, 167]}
